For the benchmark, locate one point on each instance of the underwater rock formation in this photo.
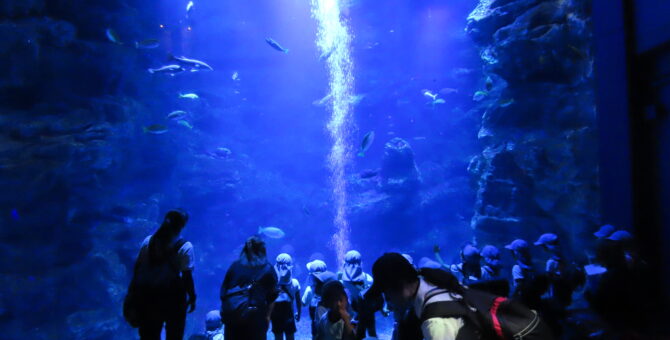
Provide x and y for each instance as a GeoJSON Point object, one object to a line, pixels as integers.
{"type": "Point", "coordinates": [71, 168]}
{"type": "Point", "coordinates": [399, 171]}
{"type": "Point", "coordinates": [538, 170]}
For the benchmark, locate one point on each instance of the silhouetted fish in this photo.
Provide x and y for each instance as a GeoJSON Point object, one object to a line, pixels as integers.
{"type": "Point", "coordinates": [369, 173]}
{"type": "Point", "coordinates": [275, 45]}
{"type": "Point", "coordinates": [155, 129]}
{"type": "Point", "coordinates": [365, 144]}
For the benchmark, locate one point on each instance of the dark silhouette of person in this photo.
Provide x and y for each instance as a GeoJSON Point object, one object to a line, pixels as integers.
{"type": "Point", "coordinates": [253, 274]}
{"type": "Point", "coordinates": [164, 280]}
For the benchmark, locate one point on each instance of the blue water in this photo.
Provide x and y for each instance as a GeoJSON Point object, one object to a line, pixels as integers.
{"type": "Point", "coordinates": [262, 145]}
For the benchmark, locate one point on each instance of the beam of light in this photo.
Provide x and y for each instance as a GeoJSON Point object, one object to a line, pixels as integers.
{"type": "Point", "coordinates": [334, 41]}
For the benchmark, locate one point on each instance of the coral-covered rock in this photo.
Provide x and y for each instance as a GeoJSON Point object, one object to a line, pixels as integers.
{"type": "Point", "coordinates": [537, 172]}
{"type": "Point", "coordinates": [399, 171]}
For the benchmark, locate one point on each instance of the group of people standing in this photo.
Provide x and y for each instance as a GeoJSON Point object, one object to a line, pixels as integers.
{"type": "Point", "coordinates": [425, 299]}
{"type": "Point", "coordinates": [256, 295]}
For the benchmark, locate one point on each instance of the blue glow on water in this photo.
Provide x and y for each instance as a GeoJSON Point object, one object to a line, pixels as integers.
{"type": "Point", "coordinates": [334, 41]}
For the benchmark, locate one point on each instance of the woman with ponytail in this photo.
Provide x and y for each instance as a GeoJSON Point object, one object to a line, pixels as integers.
{"type": "Point", "coordinates": [162, 286]}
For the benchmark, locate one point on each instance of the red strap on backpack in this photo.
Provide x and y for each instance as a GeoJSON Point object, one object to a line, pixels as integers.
{"type": "Point", "coordinates": [497, 327]}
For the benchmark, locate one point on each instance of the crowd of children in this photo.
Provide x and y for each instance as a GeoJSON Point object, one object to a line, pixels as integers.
{"type": "Point", "coordinates": [426, 299]}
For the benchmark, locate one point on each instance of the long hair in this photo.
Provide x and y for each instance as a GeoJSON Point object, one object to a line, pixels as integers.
{"type": "Point", "coordinates": [159, 245]}
{"type": "Point", "coordinates": [254, 253]}
{"type": "Point", "coordinates": [442, 279]}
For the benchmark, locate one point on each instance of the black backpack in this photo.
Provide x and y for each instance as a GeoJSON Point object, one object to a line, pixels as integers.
{"type": "Point", "coordinates": [153, 281]}
{"type": "Point", "coordinates": [238, 303]}
{"type": "Point", "coordinates": [162, 278]}
{"type": "Point", "coordinates": [488, 316]}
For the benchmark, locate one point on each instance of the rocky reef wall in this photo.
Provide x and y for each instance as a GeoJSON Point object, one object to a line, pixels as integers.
{"type": "Point", "coordinates": [68, 102]}
{"type": "Point", "coordinates": [538, 170]}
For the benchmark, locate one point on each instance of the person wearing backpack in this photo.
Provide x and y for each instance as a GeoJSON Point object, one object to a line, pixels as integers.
{"type": "Point", "coordinates": [162, 287]}
{"type": "Point", "coordinates": [449, 311]}
{"type": "Point", "coordinates": [311, 297]}
{"type": "Point", "coordinates": [248, 293]}
{"type": "Point", "coordinates": [357, 282]}
{"type": "Point", "coordinates": [284, 316]}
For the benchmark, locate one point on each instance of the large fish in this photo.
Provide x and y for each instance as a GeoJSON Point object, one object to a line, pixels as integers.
{"type": "Point", "coordinates": [276, 45]}
{"type": "Point", "coordinates": [177, 115]}
{"type": "Point", "coordinates": [271, 232]}
{"type": "Point", "coordinates": [188, 96]}
{"type": "Point", "coordinates": [365, 144]}
{"type": "Point", "coordinates": [168, 69]}
{"type": "Point", "coordinates": [194, 64]}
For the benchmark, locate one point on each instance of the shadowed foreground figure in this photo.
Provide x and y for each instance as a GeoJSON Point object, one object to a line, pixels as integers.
{"type": "Point", "coordinates": [163, 282]}
{"type": "Point", "coordinates": [248, 292]}
{"type": "Point", "coordinates": [446, 310]}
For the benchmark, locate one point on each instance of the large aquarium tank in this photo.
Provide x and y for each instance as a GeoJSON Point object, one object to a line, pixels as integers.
{"type": "Point", "coordinates": [322, 126]}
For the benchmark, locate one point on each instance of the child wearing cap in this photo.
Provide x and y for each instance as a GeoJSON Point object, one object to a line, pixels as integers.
{"type": "Point", "coordinates": [311, 297]}
{"type": "Point", "coordinates": [555, 264]}
{"type": "Point", "coordinates": [214, 326]}
{"type": "Point", "coordinates": [469, 270]}
{"type": "Point", "coordinates": [491, 269]}
{"type": "Point", "coordinates": [356, 282]}
{"type": "Point", "coordinates": [492, 280]}
{"type": "Point", "coordinates": [528, 289]}
{"type": "Point", "coordinates": [283, 316]}
{"type": "Point", "coordinates": [604, 231]}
